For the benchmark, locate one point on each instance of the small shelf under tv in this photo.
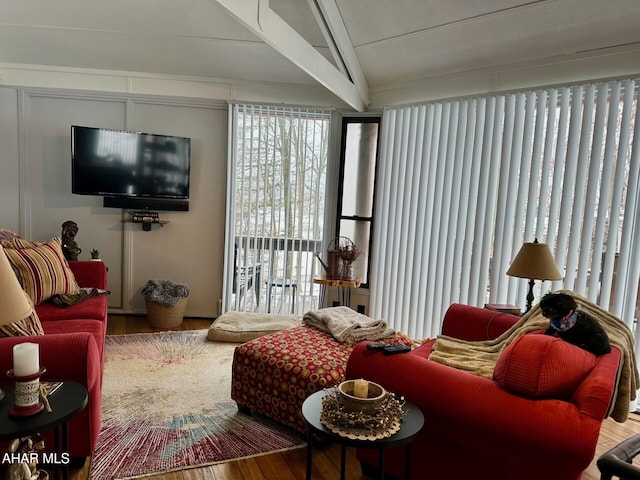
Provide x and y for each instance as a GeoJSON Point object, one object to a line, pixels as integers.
{"type": "Point", "coordinates": [146, 218]}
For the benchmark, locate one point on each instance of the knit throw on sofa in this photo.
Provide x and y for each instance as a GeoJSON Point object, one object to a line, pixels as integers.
{"type": "Point", "coordinates": [480, 357]}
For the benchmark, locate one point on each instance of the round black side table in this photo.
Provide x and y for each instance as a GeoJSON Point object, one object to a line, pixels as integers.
{"type": "Point", "coordinates": [409, 429]}
{"type": "Point", "coordinates": [67, 401]}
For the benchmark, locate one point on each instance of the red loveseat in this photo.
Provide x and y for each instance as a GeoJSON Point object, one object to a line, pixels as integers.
{"type": "Point", "coordinates": [72, 348]}
{"type": "Point", "coordinates": [474, 426]}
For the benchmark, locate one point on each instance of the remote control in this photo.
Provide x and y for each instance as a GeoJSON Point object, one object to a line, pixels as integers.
{"type": "Point", "coordinates": [389, 348]}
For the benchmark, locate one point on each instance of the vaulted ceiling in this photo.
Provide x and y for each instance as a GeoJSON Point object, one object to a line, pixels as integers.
{"type": "Point", "coordinates": [349, 46]}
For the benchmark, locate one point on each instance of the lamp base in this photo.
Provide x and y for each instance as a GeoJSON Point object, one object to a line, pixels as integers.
{"type": "Point", "coordinates": [530, 296]}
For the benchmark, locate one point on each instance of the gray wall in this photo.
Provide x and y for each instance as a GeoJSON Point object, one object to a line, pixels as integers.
{"type": "Point", "coordinates": [36, 198]}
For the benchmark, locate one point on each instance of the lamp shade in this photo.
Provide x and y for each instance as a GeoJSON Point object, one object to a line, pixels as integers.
{"type": "Point", "coordinates": [534, 261]}
{"type": "Point", "coordinates": [14, 303]}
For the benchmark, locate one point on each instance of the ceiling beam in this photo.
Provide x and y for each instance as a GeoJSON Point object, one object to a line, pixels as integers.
{"type": "Point", "coordinates": [328, 36]}
{"type": "Point", "coordinates": [263, 22]}
{"type": "Point", "coordinates": [337, 36]}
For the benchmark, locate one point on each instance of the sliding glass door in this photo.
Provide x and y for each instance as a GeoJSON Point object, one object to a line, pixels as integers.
{"type": "Point", "coordinates": [276, 183]}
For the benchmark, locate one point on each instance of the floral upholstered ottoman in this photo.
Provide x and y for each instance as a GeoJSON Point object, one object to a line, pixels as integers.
{"type": "Point", "coordinates": [272, 375]}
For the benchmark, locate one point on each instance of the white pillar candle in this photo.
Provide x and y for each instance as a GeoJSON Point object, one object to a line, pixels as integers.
{"type": "Point", "coordinates": [26, 359]}
{"type": "Point", "coordinates": [360, 388]}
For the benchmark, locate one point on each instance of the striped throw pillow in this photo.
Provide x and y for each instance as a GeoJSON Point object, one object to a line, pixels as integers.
{"type": "Point", "coordinates": [30, 326]}
{"type": "Point", "coordinates": [6, 236]}
{"type": "Point", "coordinates": [41, 268]}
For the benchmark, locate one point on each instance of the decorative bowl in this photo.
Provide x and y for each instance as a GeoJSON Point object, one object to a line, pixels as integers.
{"type": "Point", "coordinates": [375, 396]}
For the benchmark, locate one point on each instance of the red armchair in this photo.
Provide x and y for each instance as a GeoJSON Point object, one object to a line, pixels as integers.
{"type": "Point", "coordinates": [72, 349]}
{"type": "Point", "coordinates": [474, 428]}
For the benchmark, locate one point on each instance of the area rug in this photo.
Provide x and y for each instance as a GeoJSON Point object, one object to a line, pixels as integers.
{"type": "Point", "coordinates": [166, 406]}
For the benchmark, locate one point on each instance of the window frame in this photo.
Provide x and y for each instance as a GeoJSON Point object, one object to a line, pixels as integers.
{"type": "Point", "coordinates": [345, 122]}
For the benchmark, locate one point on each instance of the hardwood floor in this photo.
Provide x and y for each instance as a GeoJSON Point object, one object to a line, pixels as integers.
{"type": "Point", "coordinates": [326, 460]}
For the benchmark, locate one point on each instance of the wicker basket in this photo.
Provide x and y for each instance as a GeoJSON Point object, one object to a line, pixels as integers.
{"type": "Point", "coordinates": [160, 316]}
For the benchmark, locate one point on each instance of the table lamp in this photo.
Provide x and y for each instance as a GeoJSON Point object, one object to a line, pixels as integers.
{"type": "Point", "coordinates": [535, 262]}
{"type": "Point", "coordinates": [14, 305]}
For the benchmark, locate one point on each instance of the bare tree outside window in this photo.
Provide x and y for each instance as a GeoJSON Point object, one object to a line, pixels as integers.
{"type": "Point", "coordinates": [278, 178]}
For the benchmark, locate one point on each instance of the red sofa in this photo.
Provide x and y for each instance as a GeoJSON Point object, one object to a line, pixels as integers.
{"type": "Point", "coordinates": [72, 348]}
{"type": "Point", "coordinates": [475, 428]}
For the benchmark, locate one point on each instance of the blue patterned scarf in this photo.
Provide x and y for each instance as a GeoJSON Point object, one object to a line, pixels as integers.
{"type": "Point", "coordinates": [565, 323]}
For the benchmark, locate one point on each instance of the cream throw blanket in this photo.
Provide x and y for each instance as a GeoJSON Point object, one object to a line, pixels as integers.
{"type": "Point", "coordinates": [346, 325]}
{"type": "Point", "coordinates": [480, 357]}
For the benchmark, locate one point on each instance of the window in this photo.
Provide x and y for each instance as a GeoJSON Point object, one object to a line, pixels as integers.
{"type": "Point", "coordinates": [275, 207]}
{"type": "Point", "coordinates": [358, 156]}
{"type": "Point", "coordinates": [462, 183]}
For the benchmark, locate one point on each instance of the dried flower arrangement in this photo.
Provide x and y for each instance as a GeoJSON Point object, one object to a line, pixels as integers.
{"type": "Point", "coordinates": [349, 252]}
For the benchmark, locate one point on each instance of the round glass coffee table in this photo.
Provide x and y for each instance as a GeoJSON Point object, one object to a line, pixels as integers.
{"type": "Point", "coordinates": [409, 428]}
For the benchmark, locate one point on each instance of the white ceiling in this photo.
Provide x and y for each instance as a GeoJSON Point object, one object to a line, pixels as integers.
{"type": "Point", "coordinates": [395, 41]}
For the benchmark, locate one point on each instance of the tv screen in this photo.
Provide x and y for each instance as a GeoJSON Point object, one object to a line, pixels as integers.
{"type": "Point", "coordinates": [129, 164]}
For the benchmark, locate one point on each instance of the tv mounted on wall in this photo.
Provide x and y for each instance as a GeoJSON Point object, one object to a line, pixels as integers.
{"type": "Point", "coordinates": [131, 169]}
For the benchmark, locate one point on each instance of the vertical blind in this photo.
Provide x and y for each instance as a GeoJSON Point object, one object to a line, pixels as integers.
{"type": "Point", "coordinates": [463, 183]}
{"type": "Point", "coordinates": [276, 181]}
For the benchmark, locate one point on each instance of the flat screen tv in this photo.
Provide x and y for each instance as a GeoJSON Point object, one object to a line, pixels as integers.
{"type": "Point", "coordinates": [119, 163]}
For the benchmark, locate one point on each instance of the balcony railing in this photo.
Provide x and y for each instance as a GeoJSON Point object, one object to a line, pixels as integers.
{"type": "Point", "coordinates": [275, 275]}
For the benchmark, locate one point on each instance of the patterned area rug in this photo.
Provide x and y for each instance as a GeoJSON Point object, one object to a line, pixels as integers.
{"type": "Point", "coordinates": [166, 406]}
